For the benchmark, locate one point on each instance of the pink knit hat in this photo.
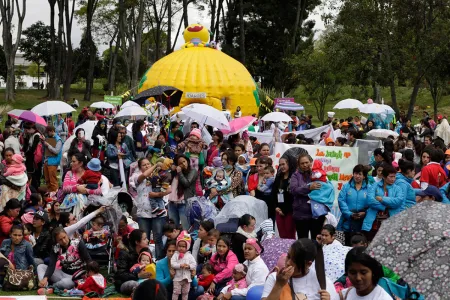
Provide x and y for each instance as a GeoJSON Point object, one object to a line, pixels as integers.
{"type": "Point", "coordinates": [184, 236]}
{"type": "Point", "coordinates": [196, 132]}
{"type": "Point", "coordinates": [17, 158]}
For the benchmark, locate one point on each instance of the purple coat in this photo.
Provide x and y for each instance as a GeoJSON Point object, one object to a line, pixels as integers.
{"type": "Point", "coordinates": [299, 189]}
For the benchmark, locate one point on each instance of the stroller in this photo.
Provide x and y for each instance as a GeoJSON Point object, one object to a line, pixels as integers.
{"type": "Point", "coordinates": [199, 209]}
{"type": "Point", "coordinates": [117, 202]}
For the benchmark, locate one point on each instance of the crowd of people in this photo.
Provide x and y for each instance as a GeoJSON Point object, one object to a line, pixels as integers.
{"type": "Point", "coordinates": [45, 230]}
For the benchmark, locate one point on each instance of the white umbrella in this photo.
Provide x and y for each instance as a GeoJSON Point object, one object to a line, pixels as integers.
{"type": "Point", "coordinates": [128, 104]}
{"type": "Point", "coordinates": [102, 104]}
{"type": "Point", "coordinates": [88, 127]}
{"type": "Point", "coordinates": [375, 108]}
{"type": "Point", "coordinates": [348, 104]}
{"type": "Point", "coordinates": [205, 114]}
{"type": "Point", "coordinates": [382, 133]}
{"type": "Point", "coordinates": [289, 106]}
{"type": "Point", "coordinates": [132, 111]}
{"type": "Point", "coordinates": [276, 117]}
{"type": "Point", "coordinates": [15, 113]}
{"type": "Point", "coordinates": [51, 108]}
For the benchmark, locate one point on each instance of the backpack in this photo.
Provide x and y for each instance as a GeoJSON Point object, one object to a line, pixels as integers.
{"type": "Point", "coordinates": [400, 291]}
{"type": "Point", "coordinates": [38, 152]}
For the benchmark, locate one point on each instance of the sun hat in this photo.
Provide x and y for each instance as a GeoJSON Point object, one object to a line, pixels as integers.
{"type": "Point", "coordinates": [94, 165]}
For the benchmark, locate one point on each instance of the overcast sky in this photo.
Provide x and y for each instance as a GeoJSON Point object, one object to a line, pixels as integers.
{"type": "Point", "coordinates": [39, 10]}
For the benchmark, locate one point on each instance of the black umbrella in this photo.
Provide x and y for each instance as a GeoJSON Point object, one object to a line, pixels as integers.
{"type": "Point", "coordinates": [168, 96]}
{"type": "Point", "coordinates": [294, 153]}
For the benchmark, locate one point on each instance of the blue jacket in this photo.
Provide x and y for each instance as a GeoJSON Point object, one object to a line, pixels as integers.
{"type": "Point", "coordinates": [163, 273]}
{"type": "Point", "coordinates": [444, 190]}
{"type": "Point", "coordinates": [408, 191]}
{"type": "Point", "coordinates": [394, 202]}
{"type": "Point", "coordinates": [55, 160]}
{"type": "Point", "coordinates": [23, 254]}
{"type": "Point", "coordinates": [352, 201]}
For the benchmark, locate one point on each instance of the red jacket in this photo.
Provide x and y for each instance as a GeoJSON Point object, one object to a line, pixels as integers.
{"type": "Point", "coordinates": [95, 283]}
{"type": "Point", "coordinates": [5, 227]}
{"type": "Point", "coordinates": [205, 281]}
{"type": "Point", "coordinates": [252, 182]}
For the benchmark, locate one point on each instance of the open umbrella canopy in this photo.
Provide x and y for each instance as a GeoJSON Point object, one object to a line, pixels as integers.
{"type": "Point", "coordinates": [239, 124]}
{"type": "Point", "coordinates": [132, 111]}
{"type": "Point", "coordinates": [374, 108]}
{"type": "Point", "coordinates": [168, 96]}
{"type": "Point", "coordinates": [88, 127]}
{"type": "Point", "coordinates": [15, 113]}
{"type": "Point", "coordinates": [128, 104]}
{"type": "Point", "coordinates": [348, 104]}
{"type": "Point", "coordinates": [276, 117]}
{"type": "Point", "coordinates": [416, 245]}
{"type": "Point", "coordinates": [206, 115]}
{"type": "Point", "coordinates": [382, 133]}
{"type": "Point", "coordinates": [51, 108]}
{"type": "Point", "coordinates": [29, 116]}
{"type": "Point", "coordinates": [102, 104]}
{"type": "Point", "coordinates": [291, 106]}
{"type": "Point", "coordinates": [157, 110]}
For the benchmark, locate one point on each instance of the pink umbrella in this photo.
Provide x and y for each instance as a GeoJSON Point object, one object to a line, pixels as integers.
{"type": "Point", "coordinates": [29, 116]}
{"type": "Point", "coordinates": [239, 124]}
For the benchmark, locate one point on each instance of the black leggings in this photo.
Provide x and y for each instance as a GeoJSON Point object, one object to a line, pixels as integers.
{"type": "Point", "coordinates": [304, 227]}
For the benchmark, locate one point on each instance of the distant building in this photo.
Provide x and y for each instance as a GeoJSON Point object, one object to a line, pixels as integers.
{"type": "Point", "coordinates": [23, 79]}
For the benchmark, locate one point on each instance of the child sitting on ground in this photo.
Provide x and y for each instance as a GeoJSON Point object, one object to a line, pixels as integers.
{"type": "Point", "coordinates": [160, 181]}
{"type": "Point", "coordinates": [221, 182]}
{"type": "Point", "coordinates": [269, 177]}
{"type": "Point", "coordinates": [207, 276]}
{"type": "Point", "coordinates": [183, 263]}
{"type": "Point", "coordinates": [97, 236]}
{"type": "Point", "coordinates": [92, 174]}
{"type": "Point", "coordinates": [95, 282]}
{"type": "Point", "coordinates": [238, 281]}
{"type": "Point", "coordinates": [321, 199]}
{"type": "Point", "coordinates": [145, 262]}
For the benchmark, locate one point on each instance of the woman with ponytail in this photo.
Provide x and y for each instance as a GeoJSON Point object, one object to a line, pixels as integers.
{"type": "Point", "coordinates": [297, 280]}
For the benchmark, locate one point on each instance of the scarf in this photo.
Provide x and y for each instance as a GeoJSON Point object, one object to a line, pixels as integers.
{"type": "Point", "coordinates": [251, 235]}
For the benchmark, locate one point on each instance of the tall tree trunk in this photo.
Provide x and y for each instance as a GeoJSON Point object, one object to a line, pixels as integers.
{"type": "Point", "coordinates": [242, 31]}
{"type": "Point", "coordinates": [60, 48]}
{"type": "Point", "coordinates": [137, 49]}
{"type": "Point", "coordinates": [185, 13]}
{"type": "Point", "coordinates": [414, 94]}
{"type": "Point", "coordinates": [169, 27]}
{"type": "Point", "coordinates": [51, 84]}
{"type": "Point", "coordinates": [91, 6]}
{"type": "Point", "coordinates": [124, 34]}
{"type": "Point", "coordinates": [112, 78]}
{"type": "Point", "coordinates": [215, 33]}
{"type": "Point", "coordinates": [69, 56]}
{"type": "Point", "coordinates": [39, 76]}
{"type": "Point", "coordinates": [213, 16]}
{"type": "Point", "coordinates": [7, 8]}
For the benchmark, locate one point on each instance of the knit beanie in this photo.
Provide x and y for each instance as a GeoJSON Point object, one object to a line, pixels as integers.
{"type": "Point", "coordinates": [17, 158]}
{"type": "Point", "coordinates": [184, 236]}
{"type": "Point", "coordinates": [196, 132]}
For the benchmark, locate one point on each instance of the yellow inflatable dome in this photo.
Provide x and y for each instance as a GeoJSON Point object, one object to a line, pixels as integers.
{"type": "Point", "coordinates": [205, 75]}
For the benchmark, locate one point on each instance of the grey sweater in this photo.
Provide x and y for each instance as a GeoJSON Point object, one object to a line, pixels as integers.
{"type": "Point", "coordinates": [187, 182]}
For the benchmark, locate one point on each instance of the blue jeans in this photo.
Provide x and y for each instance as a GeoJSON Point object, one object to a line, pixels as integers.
{"type": "Point", "coordinates": [177, 212]}
{"type": "Point", "coordinates": [238, 298]}
{"type": "Point", "coordinates": [155, 225]}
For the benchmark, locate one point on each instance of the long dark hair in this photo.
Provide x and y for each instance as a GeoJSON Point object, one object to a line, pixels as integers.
{"type": "Point", "coordinates": [292, 164]}
{"type": "Point", "coordinates": [136, 128]}
{"type": "Point", "coordinates": [134, 237]}
{"type": "Point", "coordinates": [13, 203]}
{"type": "Point", "coordinates": [227, 242]}
{"type": "Point", "coordinates": [178, 156]}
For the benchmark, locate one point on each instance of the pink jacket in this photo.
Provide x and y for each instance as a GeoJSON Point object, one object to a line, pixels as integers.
{"type": "Point", "coordinates": [223, 268]}
{"type": "Point", "coordinates": [14, 170]}
{"type": "Point", "coordinates": [241, 284]}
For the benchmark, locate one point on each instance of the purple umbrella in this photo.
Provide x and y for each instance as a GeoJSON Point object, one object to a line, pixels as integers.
{"type": "Point", "coordinates": [29, 116]}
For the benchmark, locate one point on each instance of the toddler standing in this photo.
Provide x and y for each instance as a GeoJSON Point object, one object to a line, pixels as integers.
{"type": "Point", "coordinates": [183, 263]}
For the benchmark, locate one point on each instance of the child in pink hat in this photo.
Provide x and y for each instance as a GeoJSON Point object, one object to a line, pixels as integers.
{"type": "Point", "coordinates": [184, 265]}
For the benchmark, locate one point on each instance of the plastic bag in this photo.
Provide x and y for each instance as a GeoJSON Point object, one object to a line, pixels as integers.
{"type": "Point", "coordinates": [241, 205]}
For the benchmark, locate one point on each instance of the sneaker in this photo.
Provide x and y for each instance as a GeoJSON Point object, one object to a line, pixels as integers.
{"type": "Point", "coordinates": [45, 291]}
{"type": "Point", "coordinates": [162, 213]}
